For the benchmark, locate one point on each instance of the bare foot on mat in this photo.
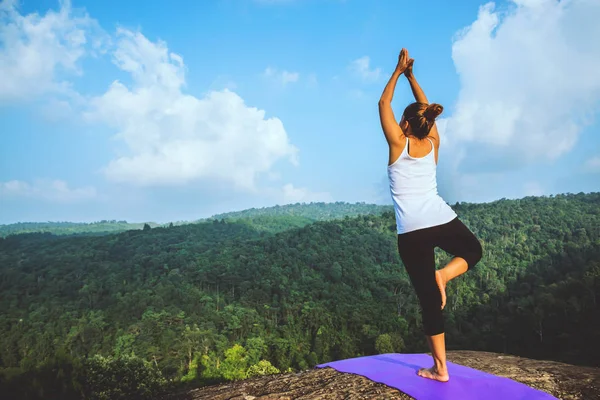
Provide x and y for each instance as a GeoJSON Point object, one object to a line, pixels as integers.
{"type": "Point", "coordinates": [431, 373]}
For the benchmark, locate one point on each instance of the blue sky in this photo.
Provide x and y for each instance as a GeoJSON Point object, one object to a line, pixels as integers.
{"type": "Point", "coordinates": [148, 111]}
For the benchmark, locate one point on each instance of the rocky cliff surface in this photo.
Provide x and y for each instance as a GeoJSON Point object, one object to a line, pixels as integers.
{"type": "Point", "coordinates": [563, 381]}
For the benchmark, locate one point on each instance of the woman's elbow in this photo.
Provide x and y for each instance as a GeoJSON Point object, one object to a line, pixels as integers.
{"type": "Point", "coordinates": [384, 102]}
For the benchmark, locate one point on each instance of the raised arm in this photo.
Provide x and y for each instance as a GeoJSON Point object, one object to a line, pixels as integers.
{"type": "Point", "coordinates": [414, 85]}
{"type": "Point", "coordinates": [420, 97]}
{"type": "Point", "coordinates": [390, 126]}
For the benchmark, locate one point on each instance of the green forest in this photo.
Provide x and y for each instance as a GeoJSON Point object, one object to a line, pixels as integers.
{"type": "Point", "coordinates": [143, 311]}
{"type": "Point", "coordinates": [70, 228]}
{"type": "Point", "coordinates": [272, 219]}
{"type": "Point", "coordinates": [312, 211]}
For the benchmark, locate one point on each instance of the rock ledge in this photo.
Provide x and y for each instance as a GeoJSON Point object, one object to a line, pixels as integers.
{"type": "Point", "coordinates": [563, 381]}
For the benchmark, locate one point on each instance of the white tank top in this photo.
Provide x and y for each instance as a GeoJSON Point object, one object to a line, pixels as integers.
{"type": "Point", "coordinates": [413, 187]}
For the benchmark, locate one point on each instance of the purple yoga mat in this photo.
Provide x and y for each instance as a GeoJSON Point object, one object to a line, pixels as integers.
{"type": "Point", "coordinates": [400, 371]}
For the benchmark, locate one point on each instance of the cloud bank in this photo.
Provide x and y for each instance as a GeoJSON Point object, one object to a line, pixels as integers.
{"type": "Point", "coordinates": [167, 137]}
{"type": "Point", "coordinates": [529, 80]}
{"type": "Point", "coordinates": [175, 138]}
{"type": "Point", "coordinates": [529, 86]}
{"type": "Point", "coordinates": [51, 190]}
{"type": "Point", "coordinates": [38, 52]}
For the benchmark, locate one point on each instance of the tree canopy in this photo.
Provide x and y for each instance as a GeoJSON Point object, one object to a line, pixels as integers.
{"type": "Point", "coordinates": [239, 296]}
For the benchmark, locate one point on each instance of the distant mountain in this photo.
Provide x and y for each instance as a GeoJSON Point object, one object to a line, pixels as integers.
{"type": "Point", "coordinates": [281, 218]}
{"type": "Point", "coordinates": [268, 219]}
{"type": "Point", "coordinates": [312, 211]}
{"type": "Point", "coordinates": [72, 228]}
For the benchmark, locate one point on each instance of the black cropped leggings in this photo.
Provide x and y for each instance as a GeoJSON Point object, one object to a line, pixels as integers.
{"type": "Point", "coordinates": [416, 250]}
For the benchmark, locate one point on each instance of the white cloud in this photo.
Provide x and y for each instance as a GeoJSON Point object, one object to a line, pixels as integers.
{"type": "Point", "coordinates": [528, 87]}
{"type": "Point", "coordinates": [593, 164]}
{"type": "Point", "coordinates": [528, 78]}
{"type": "Point", "coordinates": [223, 82]}
{"type": "Point", "coordinates": [533, 189]}
{"type": "Point", "coordinates": [282, 77]}
{"type": "Point", "coordinates": [51, 190]}
{"type": "Point", "coordinates": [361, 68]}
{"type": "Point", "coordinates": [174, 138]}
{"type": "Point", "coordinates": [36, 51]}
{"type": "Point", "coordinates": [274, 176]}
{"type": "Point", "coordinates": [291, 194]}
{"type": "Point", "coordinates": [55, 110]}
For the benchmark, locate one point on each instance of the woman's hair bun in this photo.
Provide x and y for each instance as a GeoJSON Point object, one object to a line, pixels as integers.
{"type": "Point", "coordinates": [432, 111]}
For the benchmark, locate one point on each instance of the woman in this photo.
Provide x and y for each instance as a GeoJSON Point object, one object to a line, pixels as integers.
{"type": "Point", "coordinates": [423, 220]}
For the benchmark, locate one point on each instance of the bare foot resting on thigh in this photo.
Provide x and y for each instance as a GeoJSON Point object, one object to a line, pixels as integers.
{"type": "Point", "coordinates": [431, 373]}
{"type": "Point", "coordinates": [442, 285]}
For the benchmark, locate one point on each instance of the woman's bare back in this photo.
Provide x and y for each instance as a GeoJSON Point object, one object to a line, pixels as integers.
{"type": "Point", "coordinates": [416, 148]}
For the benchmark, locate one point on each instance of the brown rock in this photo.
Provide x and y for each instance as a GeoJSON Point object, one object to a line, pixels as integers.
{"type": "Point", "coordinates": [563, 381]}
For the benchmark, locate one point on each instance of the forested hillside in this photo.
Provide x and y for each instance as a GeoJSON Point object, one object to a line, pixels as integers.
{"type": "Point", "coordinates": [207, 302]}
{"type": "Point", "coordinates": [311, 211]}
{"type": "Point", "coordinates": [269, 219]}
{"type": "Point", "coordinates": [71, 228]}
